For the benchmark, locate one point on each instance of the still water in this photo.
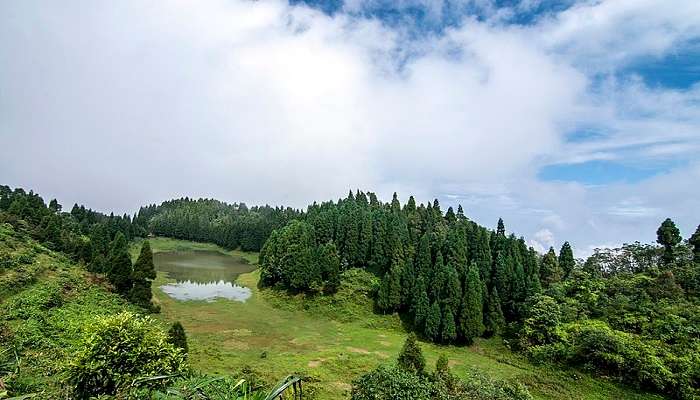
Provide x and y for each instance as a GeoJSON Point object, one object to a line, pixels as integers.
{"type": "Point", "coordinates": [202, 275]}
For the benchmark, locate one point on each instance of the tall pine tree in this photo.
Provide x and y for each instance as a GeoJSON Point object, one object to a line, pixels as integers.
{"type": "Point", "coordinates": [493, 317]}
{"type": "Point", "coordinates": [566, 260]}
{"type": "Point", "coordinates": [142, 276]}
{"type": "Point", "coordinates": [549, 268]}
{"type": "Point", "coordinates": [119, 265]}
{"type": "Point", "coordinates": [471, 312]}
{"type": "Point", "coordinates": [668, 236]}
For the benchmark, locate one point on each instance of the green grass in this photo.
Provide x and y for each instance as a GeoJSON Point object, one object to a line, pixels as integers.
{"type": "Point", "coordinates": [333, 340]}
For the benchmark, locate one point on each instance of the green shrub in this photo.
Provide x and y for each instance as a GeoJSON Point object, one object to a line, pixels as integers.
{"type": "Point", "coordinates": [391, 383]}
{"type": "Point", "coordinates": [34, 301]}
{"type": "Point", "coordinates": [411, 357]}
{"type": "Point", "coordinates": [116, 350]}
{"type": "Point", "coordinates": [541, 323]}
{"type": "Point", "coordinates": [478, 386]}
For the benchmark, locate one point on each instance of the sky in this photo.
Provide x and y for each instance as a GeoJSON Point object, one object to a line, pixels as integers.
{"type": "Point", "coordinates": [571, 120]}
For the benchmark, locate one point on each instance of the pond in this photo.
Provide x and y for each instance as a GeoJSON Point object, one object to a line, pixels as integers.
{"type": "Point", "coordinates": [202, 275]}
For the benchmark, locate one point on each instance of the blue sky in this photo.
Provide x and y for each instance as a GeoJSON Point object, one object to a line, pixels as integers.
{"type": "Point", "coordinates": [572, 120]}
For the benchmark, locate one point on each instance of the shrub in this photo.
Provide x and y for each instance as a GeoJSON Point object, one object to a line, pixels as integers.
{"type": "Point", "coordinates": [478, 386]}
{"type": "Point", "coordinates": [177, 337]}
{"type": "Point", "coordinates": [541, 322]}
{"type": "Point", "coordinates": [391, 383]}
{"type": "Point", "coordinates": [411, 357]}
{"type": "Point", "coordinates": [118, 349]}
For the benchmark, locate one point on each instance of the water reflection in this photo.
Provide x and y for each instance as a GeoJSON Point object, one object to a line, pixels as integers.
{"type": "Point", "coordinates": [202, 275]}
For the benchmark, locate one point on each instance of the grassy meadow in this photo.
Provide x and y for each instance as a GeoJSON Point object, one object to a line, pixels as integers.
{"type": "Point", "coordinates": [333, 340]}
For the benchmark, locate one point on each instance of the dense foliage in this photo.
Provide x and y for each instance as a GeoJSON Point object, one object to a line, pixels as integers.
{"type": "Point", "coordinates": [204, 220]}
{"type": "Point", "coordinates": [632, 313]}
{"type": "Point", "coordinates": [117, 350]}
{"type": "Point", "coordinates": [405, 381]}
{"type": "Point", "coordinates": [442, 270]}
{"type": "Point", "coordinates": [98, 240]}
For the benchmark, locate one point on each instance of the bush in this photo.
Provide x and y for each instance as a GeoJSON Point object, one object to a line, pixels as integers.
{"type": "Point", "coordinates": [478, 386]}
{"type": "Point", "coordinates": [411, 357]}
{"type": "Point", "coordinates": [391, 383]}
{"type": "Point", "coordinates": [118, 349]}
{"type": "Point", "coordinates": [541, 324]}
{"type": "Point", "coordinates": [595, 346]}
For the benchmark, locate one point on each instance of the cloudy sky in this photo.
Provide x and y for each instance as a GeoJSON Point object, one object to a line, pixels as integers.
{"type": "Point", "coordinates": [573, 120]}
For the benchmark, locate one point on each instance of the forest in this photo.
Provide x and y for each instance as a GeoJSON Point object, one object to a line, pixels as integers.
{"type": "Point", "coordinates": [630, 314]}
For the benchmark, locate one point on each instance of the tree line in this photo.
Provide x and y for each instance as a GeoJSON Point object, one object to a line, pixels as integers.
{"type": "Point", "coordinates": [98, 240]}
{"type": "Point", "coordinates": [455, 279]}
{"type": "Point", "coordinates": [206, 220]}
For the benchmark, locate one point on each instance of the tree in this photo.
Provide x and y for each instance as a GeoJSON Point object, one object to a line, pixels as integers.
{"type": "Point", "coordinates": [449, 328]}
{"type": "Point", "coordinates": [389, 295]}
{"type": "Point", "coordinates": [177, 337]}
{"type": "Point", "coordinates": [420, 305]}
{"type": "Point", "coordinates": [432, 322]}
{"type": "Point", "coordinates": [668, 235]}
{"type": "Point", "coordinates": [442, 365]}
{"type": "Point", "coordinates": [119, 265]}
{"type": "Point", "coordinates": [329, 264]}
{"type": "Point", "coordinates": [500, 228]}
{"type": "Point", "coordinates": [411, 357]}
{"type": "Point", "coordinates": [142, 276]}
{"type": "Point", "coordinates": [695, 242]}
{"type": "Point", "coordinates": [423, 258]}
{"type": "Point", "coordinates": [541, 321]}
{"type": "Point", "coordinates": [566, 259]}
{"type": "Point", "coordinates": [549, 268]}
{"type": "Point", "coordinates": [54, 206]}
{"type": "Point", "coordinates": [501, 274]}
{"type": "Point", "coordinates": [471, 312]}
{"type": "Point", "coordinates": [494, 321]}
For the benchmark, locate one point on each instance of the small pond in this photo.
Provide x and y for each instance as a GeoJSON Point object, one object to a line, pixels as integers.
{"type": "Point", "coordinates": [202, 275]}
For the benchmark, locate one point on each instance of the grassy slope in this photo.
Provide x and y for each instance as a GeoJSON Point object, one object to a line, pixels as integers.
{"type": "Point", "coordinates": [333, 340]}
{"type": "Point", "coordinates": [45, 300]}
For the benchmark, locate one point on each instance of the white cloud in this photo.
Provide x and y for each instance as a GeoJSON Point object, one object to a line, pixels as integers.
{"type": "Point", "coordinates": [118, 104]}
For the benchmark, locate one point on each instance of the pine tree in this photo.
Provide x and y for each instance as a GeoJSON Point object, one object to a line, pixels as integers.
{"type": "Point", "coordinates": [442, 366]}
{"type": "Point", "coordinates": [493, 317]}
{"type": "Point", "coordinates": [420, 304]}
{"type": "Point", "coordinates": [395, 205]}
{"type": "Point", "coordinates": [54, 206]}
{"type": "Point", "coordinates": [450, 216]}
{"type": "Point", "coordinates": [549, 268]}
{"type": "Point", "coordinates": [424, 257]}
{"type": "Point", "coordinates": [471, 312]}
{"type": "Point", "coordinates": [460, 213]}
{"type": "Point", "coordinates": [449, 328]}
{"type": "Point", "coordinates": [411, 357]}
{"type": "Point", "coordinates": [566, 260]}
{"type": "Point", "coordinates": [177, 337]}
{"type": "Point", "coordinates": [389, 295]}
{"type": "Point", "coordinates": [329, 264]}
{"type": "Point", "coordinates": [379, 259]}
{"type": "Point", "coordinates": [365, 241]}
{"type": "Point", "coordinates": [501, 274]}
{"type": "Point", "coordinates": [695, 242]}
{"type": "Point", "coordinates": [451, 292]}
{"type": "Point", "coordinates": [119, 265]}
{"type": "Point", "coordinates": [432, 322]}
{"type": "Point", "coordinates": [668, 236]}
{"type": "Point", "coordinates": [142, 276]}
{"type": "Point", "coordinates": [482, 255]}
{"type": "Point", "coordinates": [500, 228]}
